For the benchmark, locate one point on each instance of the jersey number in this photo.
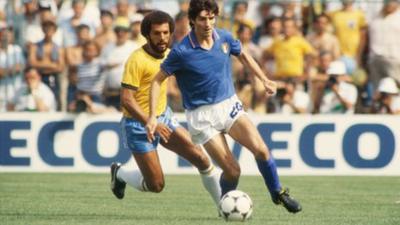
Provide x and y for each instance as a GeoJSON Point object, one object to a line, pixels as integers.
{"type": "Point", "coordinates": [236, 109]}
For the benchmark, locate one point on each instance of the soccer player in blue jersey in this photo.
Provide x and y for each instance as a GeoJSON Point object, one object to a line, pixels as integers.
{"type": "Point", "coordinates": [140, 69]}
{"type": "Point", "coordinates": [202, 66]}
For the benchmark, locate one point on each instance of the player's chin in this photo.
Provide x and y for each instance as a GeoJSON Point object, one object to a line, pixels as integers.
{"type": "Point", "coordinates": [208, 33]}
{"type": "Point", "coordinates": [162, 48]}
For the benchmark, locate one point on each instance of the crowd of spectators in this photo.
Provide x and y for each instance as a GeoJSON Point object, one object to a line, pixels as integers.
{"type": "Point", "coordinates": [327, 56]}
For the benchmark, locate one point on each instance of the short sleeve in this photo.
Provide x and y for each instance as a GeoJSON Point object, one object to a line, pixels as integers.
{"type": "Point", "coordinates": [132, 75]}
{"type": "Point", "coordinates": [172, 63]}
{"type": "Point", "coordinates": [301, 100]}
{"type": "Point", "coordinates": [351, 94]}
{"type": "Point", "coordinates": [306, 46]}
{"type": "Point", "coordinates": [395, 104]}
{"type": "Point", "coordinates": [235, 45]}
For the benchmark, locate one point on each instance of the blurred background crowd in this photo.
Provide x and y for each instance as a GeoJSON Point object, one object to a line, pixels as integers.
{"type": "Point", "coordinates": [339, 57]}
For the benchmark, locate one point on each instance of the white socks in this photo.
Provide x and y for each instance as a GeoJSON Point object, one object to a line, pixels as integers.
{"type": "Point", "coordinates": [210, 179]}
{"type": "Point", "coordinates": [132, 177]}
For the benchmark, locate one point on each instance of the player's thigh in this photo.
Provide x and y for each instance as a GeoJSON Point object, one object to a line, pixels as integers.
{"type": "Point", "coordinates": [244, 132]}
{"type": "Point", "coordinates": [218, 149]}
{"type": "Point", "coordinates": [181, 144]}
{"type": "Point", "coordinates": [149, 165]}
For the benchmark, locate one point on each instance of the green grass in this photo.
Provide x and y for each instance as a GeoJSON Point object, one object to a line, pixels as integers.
{"type": "Point", "coordinates": [86, 199]}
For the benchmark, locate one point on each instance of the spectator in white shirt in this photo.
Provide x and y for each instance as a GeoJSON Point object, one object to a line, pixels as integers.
{"type": "Point", "coordinates": [34, 96]}
{"type": "Point", "coordinates": [340, 96]}
{"type": "Point", "coordinates": [387, 99]}
{"type": "Point", "coordinates": [30, 30]}
{"type": "Point", "coordinates": [12, 62]}
{"type": "Point", "coordinates": [384, 59]}
{"type": "Point", "coordinates": [69, 25]}
{"type": "Point", "coordinates": [113, 59]}
{"type": "Point", "coordinates": [293, 100]}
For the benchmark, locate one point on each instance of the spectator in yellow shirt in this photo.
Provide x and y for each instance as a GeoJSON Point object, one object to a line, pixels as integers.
{"type": "Point", "coordinates": [290, 53]}
{"type": "Point", "coordinates": [350, 28]}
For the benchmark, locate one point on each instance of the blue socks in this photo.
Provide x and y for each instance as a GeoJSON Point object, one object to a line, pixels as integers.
{"type": "Point", "coordinates": [227, 186]}
{"type": "Point", "coordinates": [268, 170]}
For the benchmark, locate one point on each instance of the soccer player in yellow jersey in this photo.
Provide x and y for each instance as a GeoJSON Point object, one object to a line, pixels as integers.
{"type": "Point", "coordinates": [140, 69]}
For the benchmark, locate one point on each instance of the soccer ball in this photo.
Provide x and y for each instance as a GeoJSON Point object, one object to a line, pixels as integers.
{"type": "Point", "coordinates": [236, 206]}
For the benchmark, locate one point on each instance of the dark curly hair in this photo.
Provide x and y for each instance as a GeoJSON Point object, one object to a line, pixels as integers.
{"type": "Point", "coordinates": [196, 6]}
{"type": "Point", "coordinates": [156, 17]}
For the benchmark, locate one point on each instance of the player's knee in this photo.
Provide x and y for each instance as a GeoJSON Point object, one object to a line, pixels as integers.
{"type": "Point", "coordinates": [156, 187]}
{"type": "Point", "coordinates": [203, 161]}
{"type": "Point", "coordinates": [199, 159]}
{"type": "Point", "coordinates": [261, 155]}
{"type": "Point", "coordinates": [261, 152]}
{"type": "Point", "coordinates": [233, 172]}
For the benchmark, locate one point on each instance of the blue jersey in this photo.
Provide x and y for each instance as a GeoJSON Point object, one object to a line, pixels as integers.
{"type": "Point", "coordinates": [203, 76]}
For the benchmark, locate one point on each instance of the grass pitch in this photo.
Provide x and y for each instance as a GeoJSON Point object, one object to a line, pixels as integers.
{"type": "Point", "coordinates": [86, 199]}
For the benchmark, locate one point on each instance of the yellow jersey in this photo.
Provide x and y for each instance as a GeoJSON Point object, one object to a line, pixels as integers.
{"type": "Point", "coordinates": [139, 72]}
{"type": "Point", "coordinates": [289, 56]}
{"type": "Point", "coordinates": [347, 25]}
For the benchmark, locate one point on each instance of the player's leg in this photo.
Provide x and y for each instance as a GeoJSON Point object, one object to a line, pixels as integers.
{"type": "Point", "coordinates": [244, 132]}
{"type": "Point", "coordinates": [149, 165]}
{"type": "Point", "coordinates": [206, 125]}
{"type": "Point", "coordinates": [218, 150]}
{"type": "Point", "coordinates": [149, 177]}
{"type": "Point", "coordinates": [181, 144]}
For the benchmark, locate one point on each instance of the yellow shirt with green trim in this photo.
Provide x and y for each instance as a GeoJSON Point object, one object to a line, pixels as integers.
{"type": "Point", "coordinates": [348, 25]}
{"type": "Point", "coordinates": [140, 69]}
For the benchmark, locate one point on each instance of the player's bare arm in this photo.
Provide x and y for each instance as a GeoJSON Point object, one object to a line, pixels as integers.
{"type": "Point", "coordinates": [152, 124]}
{"type": "Point", "coordinates": [248, 61]}
{"type": "Point", "coordinates": [128, 101]}
{"type": "Point", "coordinates": [130, 104]}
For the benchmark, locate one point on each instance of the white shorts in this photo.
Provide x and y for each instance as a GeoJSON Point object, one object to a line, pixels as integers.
{"type": "Point", "coordinates": [209, 120]}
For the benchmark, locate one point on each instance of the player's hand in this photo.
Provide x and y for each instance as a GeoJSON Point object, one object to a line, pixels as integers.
{"type": "Point", "coordinates": [270, 87]}
{"type": "Point", "coordinates": [151, 128]}
{"type": "Point", "coordinates": [164, 132]}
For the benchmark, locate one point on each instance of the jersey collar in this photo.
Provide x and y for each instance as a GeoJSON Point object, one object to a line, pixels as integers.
{"type": "Point", "coordinates": [193, 40]}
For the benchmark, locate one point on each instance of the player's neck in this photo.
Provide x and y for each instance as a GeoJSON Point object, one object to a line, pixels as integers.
{"type": "Point", "coordinates": [205, 42]}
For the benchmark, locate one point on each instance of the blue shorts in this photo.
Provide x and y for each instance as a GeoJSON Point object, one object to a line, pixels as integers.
{"type": "Point", "coordinates": [134, 133]}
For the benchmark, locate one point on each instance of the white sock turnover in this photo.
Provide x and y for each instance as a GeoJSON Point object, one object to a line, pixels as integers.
{"type": "Point", "coordinates": [210, 179]}
{"type": "Point", "coordinates": [133, 178]}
